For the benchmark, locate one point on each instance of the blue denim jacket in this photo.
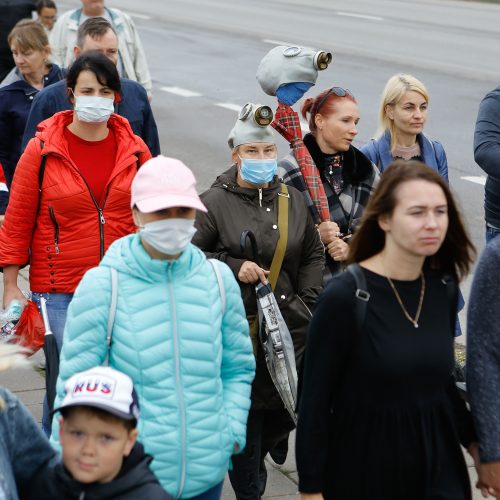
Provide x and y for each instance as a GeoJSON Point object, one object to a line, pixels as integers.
{"type": "Point", "coordinates": [23, 446]}
{"type": "Point", "coordinates": [432, 152]}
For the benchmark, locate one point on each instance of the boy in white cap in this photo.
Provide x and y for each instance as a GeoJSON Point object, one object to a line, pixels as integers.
{"type": "Point", "coordinates": [101, 458]}
{"type": "Point", "coordinates": [179, 332]}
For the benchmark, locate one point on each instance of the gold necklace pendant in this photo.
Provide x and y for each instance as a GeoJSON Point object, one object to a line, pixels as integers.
{"type": "Point", "coordinates": [414, 320]}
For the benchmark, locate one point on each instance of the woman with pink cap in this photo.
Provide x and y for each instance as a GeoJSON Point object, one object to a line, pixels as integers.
{"type": "Point", "coordinates": [179, 332]}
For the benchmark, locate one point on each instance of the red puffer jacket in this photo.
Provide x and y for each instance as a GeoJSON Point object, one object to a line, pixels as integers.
{"type": "Point", "coordinates": [65, 233]}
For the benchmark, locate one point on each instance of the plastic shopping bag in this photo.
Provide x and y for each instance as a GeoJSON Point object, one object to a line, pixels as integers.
{"type": "Point", "coordinates": [30, 329]}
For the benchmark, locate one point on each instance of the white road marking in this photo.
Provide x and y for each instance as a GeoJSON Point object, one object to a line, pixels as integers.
{"type": "Point", "coordinates": [480, 179]}
{"type": "Point", "coordinates": [360, 16]}
{"type": "Point", "coordinates": [180, 91]}
{"type": "Point", "coordinates": [279, 42]}
{"type": "Point", "coordinates": [139, 16]}
{"type": "Point", "coordinates": [228, 105]}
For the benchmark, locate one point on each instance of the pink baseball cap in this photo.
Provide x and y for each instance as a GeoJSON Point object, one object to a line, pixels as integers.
{"type": "Point", "coordinates": [164, 182]}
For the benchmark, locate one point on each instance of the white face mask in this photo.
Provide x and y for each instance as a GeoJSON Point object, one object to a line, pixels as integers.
{"type": "Point", "coordinates": [169, 236]}
{"type": "Point", "coordinates": [93, 109]}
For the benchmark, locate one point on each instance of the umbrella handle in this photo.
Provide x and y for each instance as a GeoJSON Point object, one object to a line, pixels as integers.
{"type": "Point", "coordinates": [45, 316]}
{"type": "Point", "coordinates": [247, 234]}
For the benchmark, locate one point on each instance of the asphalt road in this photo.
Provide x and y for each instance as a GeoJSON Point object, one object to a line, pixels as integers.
{"type": "Point", "coordinates": [203, 56]}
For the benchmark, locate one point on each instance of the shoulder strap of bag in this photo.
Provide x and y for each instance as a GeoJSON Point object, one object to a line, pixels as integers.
{"type": "Point", "coordinates": [362, 295]}
{"type": "Point", "coordinates": [112, 313]}
{"type": "Point", "coordinates": [279, 253]}
{"type": "Point", "coordinates": [447, 280]}
{"type": "Point", "coordinates": [222, 290]}
{"type": "Point", "coordinates": [41, 173]}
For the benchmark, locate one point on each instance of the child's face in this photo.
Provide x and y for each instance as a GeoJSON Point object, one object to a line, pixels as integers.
{"type": "Point", "coordinates": [93, 449]}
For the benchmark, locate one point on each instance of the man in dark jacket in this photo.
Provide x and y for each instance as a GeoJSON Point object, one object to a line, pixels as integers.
{"type": "Point", "coordinates": [12, 12]}
{"type": "Point", "coordinates": [487, 156]}
{"type": "Point", "coordinates": [98, 34]}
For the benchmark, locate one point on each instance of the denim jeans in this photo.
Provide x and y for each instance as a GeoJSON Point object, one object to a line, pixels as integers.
{"type": "Point", "coordinates": [57, 308]}
{"type": "Point", "coordinates": [211, 494]}
{"type": "Point", "coordinates": [491, 232]}
{"type": "Point", "coordinates": [23, 447]}
{"type": "Point", "coordinates": [461, 305]}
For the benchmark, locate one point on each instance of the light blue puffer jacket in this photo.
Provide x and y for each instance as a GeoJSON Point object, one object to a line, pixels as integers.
{"type": "Point", "coordinates": [192, 367]}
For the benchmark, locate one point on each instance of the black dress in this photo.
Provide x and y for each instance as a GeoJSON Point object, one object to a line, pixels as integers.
{"type": "Point", "coordinates": [380, 417]}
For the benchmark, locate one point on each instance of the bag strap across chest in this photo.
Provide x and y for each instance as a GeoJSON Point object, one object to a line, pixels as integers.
{"type": "Point", "coordinates": [279, 253]}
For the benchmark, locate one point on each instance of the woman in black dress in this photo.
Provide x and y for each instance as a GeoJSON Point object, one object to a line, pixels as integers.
{"type": "Point", "coordinates": [380, 417]}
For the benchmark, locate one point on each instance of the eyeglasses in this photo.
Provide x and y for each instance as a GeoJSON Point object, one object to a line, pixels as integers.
{"type": "Point", "coordinates": [338, 91]}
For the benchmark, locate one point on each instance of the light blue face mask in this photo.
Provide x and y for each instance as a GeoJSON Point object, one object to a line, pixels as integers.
{"type": "Point", "coordinates": [258, 171]}
{"type": "Point", "coordinates": [93, 109]}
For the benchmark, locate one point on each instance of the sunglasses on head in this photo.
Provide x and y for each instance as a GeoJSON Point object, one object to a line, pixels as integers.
{"type": "Point", "coordinates": [338, 91]}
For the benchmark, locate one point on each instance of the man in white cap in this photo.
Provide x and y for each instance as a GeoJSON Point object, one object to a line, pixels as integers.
{"type": "Point", "coordinates": [179, 332]}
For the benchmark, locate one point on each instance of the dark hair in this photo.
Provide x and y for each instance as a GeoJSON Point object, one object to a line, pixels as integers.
{"type": "Point", "coordinates": [104, 70]}
{"type": "Point", "coordinates": [324, 104]}
{"type": "Point", "coordinates": [98, 413]}
{"type": "Point", "coordinates": [456, 253]}
{"type": "Point", "coordinates": [94, 27]}
{"type": "Point", "coordinates": [45, 4]}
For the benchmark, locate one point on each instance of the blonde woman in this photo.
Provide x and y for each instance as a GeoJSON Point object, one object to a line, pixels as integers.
{"type": "Point", "coordinates": [23, 446]}
{"type": "Point", "coordinates": [402, 117]}
{"type": "Point", "coordinates": [30, 49]}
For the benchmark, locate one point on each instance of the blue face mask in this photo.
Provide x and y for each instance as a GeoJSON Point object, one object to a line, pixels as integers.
{"type": "Point", "coordinates": [93, 109]}
{"type": "Point", "coordinates": [257, 171]}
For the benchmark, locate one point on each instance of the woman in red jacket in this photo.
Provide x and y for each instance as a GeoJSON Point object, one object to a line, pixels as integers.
{"type": "Point", "coordinates": [70, 194]}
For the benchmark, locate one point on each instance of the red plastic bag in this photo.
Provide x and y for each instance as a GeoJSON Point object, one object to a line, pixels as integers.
{"type": "Point", "coordinates": [30, 329]}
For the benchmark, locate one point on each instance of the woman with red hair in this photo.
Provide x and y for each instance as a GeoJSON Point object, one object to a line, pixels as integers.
{"type": "Point", "coordinates": [348, 176]}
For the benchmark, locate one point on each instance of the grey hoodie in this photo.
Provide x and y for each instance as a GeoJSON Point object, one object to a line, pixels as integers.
{"type": "Point", "coordinates": [483, 351]}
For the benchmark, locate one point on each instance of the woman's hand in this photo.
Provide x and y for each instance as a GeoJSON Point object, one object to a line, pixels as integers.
{"type": "Point", "coordinates": [10, 293]}
{"type": "Point", "coordinates": [10, 289]}
{"type": "Point", "coordinates": [250, 272]}
{"type": "Point", "coordinates": [338, 249]}
{"type": "Point", "coordinates": [482, 483]}
{"type": "Point", "coordinates": [311, 496]}
{"type": "Point", "coordinates": [328, 231]}
{"type": "Point", "coordinates": [489, 479]}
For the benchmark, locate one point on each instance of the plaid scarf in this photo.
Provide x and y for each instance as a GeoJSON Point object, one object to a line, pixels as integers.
{"type": "Point", "coordinates": [345, 208]}
{"type": "Point", "coordinates": [287, 123]}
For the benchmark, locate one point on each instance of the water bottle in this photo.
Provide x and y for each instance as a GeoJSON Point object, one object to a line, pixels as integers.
{"type": "Point", "coordinates": [9, 317]}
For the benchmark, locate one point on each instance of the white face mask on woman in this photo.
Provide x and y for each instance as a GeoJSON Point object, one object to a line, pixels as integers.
{"type": "Point", "coordinates": [168, 236]}
{"type": "Point", "coordinates": [93, 109]}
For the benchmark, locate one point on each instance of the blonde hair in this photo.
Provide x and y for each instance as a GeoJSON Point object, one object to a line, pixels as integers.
{"type": "Point", "coordinates": [395, 88]}
{"type": "Point", "coordinates": [29, 34]}
{"type": "Point", "coordinates": [12, 355]}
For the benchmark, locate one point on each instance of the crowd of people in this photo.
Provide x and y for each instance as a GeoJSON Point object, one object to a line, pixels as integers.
{"type": "Point", "coordinates": [173, 361]}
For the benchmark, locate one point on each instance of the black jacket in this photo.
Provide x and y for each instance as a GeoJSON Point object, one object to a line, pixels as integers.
{"type": "Point", "coordinates": [487, 153]}
{"type": "Point", "coordinates": [233, 209]}
{"type": "Point", "coordinates": [135, 481]}
{"type": "Point", "coordinates": [12, 12]}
